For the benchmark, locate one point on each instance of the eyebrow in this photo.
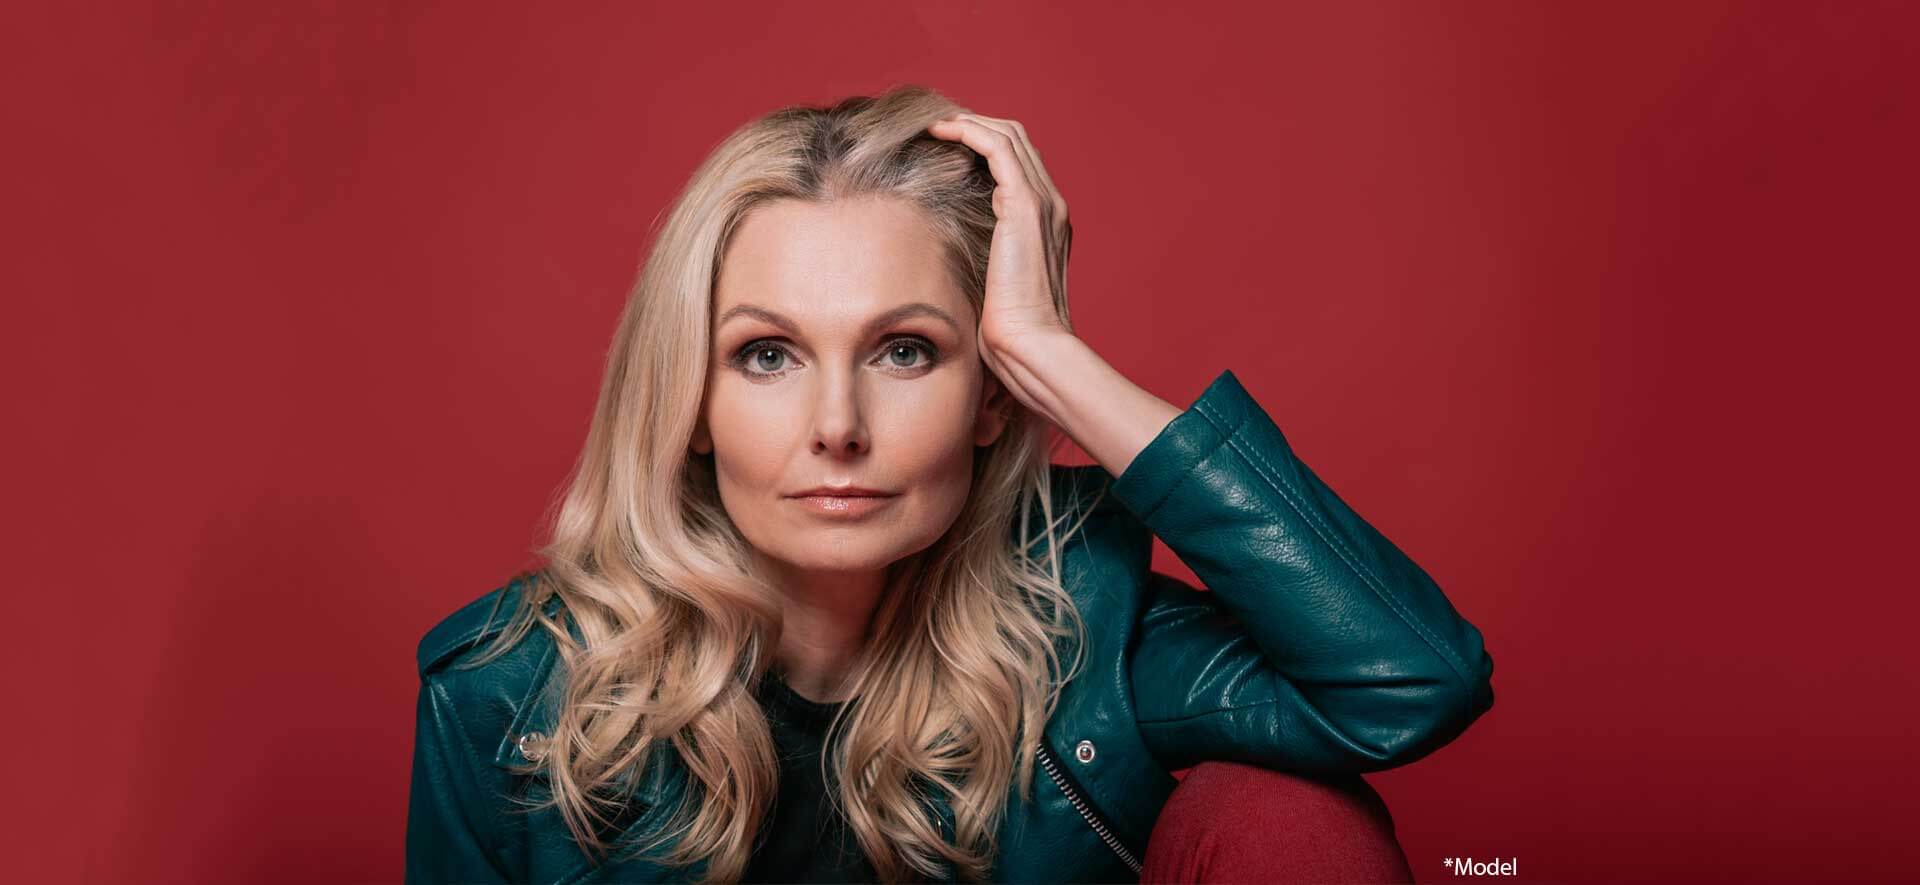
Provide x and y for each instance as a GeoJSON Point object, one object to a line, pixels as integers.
{"type": "Point", "coordinates": [918, 308]}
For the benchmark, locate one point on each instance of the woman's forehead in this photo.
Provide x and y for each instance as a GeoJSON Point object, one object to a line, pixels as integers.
{"type": "Point", "coordinates": [835, 264]}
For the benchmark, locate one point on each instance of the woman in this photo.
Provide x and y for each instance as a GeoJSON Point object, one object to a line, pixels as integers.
{"type": "Point", "coordinates": [816, 605]}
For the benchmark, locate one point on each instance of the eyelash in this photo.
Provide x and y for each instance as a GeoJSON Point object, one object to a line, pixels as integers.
{"type": "Point", "coordinates": [746, 354]}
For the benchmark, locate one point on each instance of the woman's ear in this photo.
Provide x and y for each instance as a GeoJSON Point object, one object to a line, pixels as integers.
{"type": "Point", "coordinates": [995, 402]}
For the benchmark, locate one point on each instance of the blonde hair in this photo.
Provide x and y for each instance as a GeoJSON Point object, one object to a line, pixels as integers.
{"type": "Point", "coordinates": [962, 670]}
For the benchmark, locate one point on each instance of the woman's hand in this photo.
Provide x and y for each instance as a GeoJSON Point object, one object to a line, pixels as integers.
{"type": "Point", "coordinates": [1022, 339]}
{"type": "Point", "coordinates": [1027, 263]}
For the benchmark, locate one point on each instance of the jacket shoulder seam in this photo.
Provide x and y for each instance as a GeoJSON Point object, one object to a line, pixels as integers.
{"type": "Point", "coordinates": [467, 627]}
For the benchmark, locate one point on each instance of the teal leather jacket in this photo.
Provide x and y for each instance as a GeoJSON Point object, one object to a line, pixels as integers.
{"type": "Point", "coordinates": [1321, 649]}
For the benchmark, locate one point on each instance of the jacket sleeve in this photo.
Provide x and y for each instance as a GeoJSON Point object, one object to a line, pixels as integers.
{"type": "Point", "coordinates": [1321, 647]}
{"type": "Point", "coordinates": [445, 841]}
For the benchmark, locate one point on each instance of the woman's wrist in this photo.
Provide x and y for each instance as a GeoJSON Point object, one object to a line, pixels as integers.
{"type": "Point", "coordinates": [1062, 379]}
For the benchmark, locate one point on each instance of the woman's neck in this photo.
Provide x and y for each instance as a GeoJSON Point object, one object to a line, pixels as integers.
{"type": "Point", "coordinates": [827, 619]}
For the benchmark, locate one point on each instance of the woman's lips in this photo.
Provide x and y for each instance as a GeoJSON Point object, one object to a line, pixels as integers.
{"type": "Point", "coordinates": [843, 506]}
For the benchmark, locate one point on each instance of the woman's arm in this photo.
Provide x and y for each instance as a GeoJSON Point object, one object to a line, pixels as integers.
{"type": "Point", "coordinates": [1322, 647]}
{"type": "Point", "coordinates": [1105, 414]}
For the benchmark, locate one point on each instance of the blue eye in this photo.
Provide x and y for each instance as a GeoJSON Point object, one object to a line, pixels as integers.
{"type": "Point", "coordinates": [757, 353]}
{"type": "Point", "coordinates": [909, 345]}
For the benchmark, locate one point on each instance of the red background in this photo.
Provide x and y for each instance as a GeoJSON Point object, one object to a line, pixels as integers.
{"type": "Point", "coordinates": [1597, 312]}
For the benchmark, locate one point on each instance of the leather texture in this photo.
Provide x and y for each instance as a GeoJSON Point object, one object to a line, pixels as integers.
{"type": "Point", "coordinates": [1318, 648]}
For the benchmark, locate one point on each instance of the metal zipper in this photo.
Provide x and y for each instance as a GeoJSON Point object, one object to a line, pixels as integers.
{"type": "Point", "coordinates": [1086, 811]}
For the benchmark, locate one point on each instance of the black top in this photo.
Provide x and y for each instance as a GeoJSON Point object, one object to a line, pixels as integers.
{"type": "Point", "coordinates": [804, 838]}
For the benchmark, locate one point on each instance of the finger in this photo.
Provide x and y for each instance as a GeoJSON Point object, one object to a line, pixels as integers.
{"type": "Point", "coordinates": [998, 148]}
{"type": "Point", "coordinates": [1035, 166]}
{"type": "Point", "coordinates": [1047, 206]}
{"type": "Point", "coordinates": [1056, 205]}
{"type": "Point", "coordinates": [1021, 148]}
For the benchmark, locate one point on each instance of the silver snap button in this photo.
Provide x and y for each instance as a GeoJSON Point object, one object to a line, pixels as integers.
{"type": "Point", "coordinates": [1084, 752]}
{"type": "Point", "coordinates": [532, 753]}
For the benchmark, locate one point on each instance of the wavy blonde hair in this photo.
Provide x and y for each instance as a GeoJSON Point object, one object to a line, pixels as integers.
{"type": "Point", "coordinates": [961, 671]}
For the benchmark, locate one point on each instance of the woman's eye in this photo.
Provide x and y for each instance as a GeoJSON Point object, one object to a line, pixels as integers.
{"type": "Point", "coordinates": [762, 358]}
{"type": "Point", "coordinates": [901, 352]}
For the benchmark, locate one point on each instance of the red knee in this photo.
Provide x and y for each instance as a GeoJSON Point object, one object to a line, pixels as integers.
{"type": "Point", "coordinates": [1231, 822]}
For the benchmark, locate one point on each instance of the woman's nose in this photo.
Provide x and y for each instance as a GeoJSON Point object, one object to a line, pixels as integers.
{"type": "Point", "coordinates": [839, 428]}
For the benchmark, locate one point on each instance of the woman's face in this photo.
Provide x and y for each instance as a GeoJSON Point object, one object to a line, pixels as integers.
{"type": "Point", "coordinates": [843, 354]}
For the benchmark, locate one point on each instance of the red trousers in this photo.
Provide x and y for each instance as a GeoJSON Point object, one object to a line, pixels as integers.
{"type": "Point", "coordinates": [1229, 822]}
